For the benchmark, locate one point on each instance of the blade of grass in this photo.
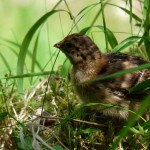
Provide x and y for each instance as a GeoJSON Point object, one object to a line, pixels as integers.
{"type": "Point", "coordinates": [141, 67]}
{"type": "Point", "coordinates": [141, 86]}
{"type": "Point", "coordinates": [73, 18]}
{"type": "Point", "coordinates": [4, 59]}
{"type": "Point", "coordinates": [145, 104]}
{"type": "Point", "coordinates": [128, 12]}
{"type": "Point", "coordinates": [146, 18]}
{"type": "Point", "coordinates": [125, 43]}
{"type": "Point", "coordinates": [131, 16]}
{"type": "Point", "coordinates": [19, 46]}
{"type": "Point", "coordinates": [87, 7]}
{"type": "Point", "coordinates": [25, 45]}
{"type": "Point", "coordinates": [90, 7]}
{"type": "Point", "coordinates": [3, 115]}
{"type": "Point", "coordinates": [147, 44]}
{"type": "Point", "coordinates": [97, 15]}
{"type": "Point", "coordinates": [104, 23]}
{"type": "Point", "coordinates": [111, 38]}
{"type": "Point", "coordinates": [50, 60]}
{"type": "Point", "coordinates": [10, 49]}
{"type": "Point", "coordinates": [107, 106]}
{"type": "Point", "coordinates": [65, 68]}
{"type": "Point", "coordinates": [34, 55]}
{"type": "Point", "coordinates": [29, 75]}
{"type": "Point", "coordinates": [146, 9]}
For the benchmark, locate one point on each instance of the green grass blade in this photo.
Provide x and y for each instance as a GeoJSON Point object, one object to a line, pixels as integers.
{"type": "Point", "coordinates": [34, 55]}
{"type": "Point", "coordinates": [64, 71]}
{"type": "Point", "coordinates": [5, 62]}
{"type": "Point", "coordinates": [125, 43]}
{"type": "Point", "coordinates": [13, 50]}
{"type": "Point", "coordinates": [71, 15]}
{"type": "Point", "coordinates": [111, 38]}
{"type": "Point", "coordinates": [27, 75]}
{"type": "Point", "coordinates": [25, 45]}
{"type": "Point", "coordinates": [87, 7]}
{"type": "Point", "coordinates": [19, 46]}
{"type": "Point", "coordinates": [128, 12]}
{"type": "Point", "coordinates": [147, 46]}
{"type": "Point", "coordinates": [104, 23]}
{"type": "Point", "coordinates": [3, 115]}
{"type": "Point", "coordinates": [120, 73]}
{"type": "Point", "coordinates": [141, 86]}
{"type": "Point", "coordinates": [97, 15]}
{"type": "Point", "coordinates": [146, 25]}
{"type": "Point", "coordinates": [131, 13]}
{"type": "Point", "coordinates": [145, 104]}
{"type": "Point", "coordinates": [146, 9]}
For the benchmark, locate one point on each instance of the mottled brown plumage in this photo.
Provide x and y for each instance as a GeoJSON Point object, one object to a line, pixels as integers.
{"type": "Point", "coordinates": [89, 63]}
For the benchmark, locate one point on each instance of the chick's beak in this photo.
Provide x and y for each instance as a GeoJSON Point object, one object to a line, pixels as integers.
{"type": "Point", "coordinates": [58, 45]}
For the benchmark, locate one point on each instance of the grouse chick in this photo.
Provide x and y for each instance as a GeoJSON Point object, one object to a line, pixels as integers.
{"type": "Point", "coordinates": [89, 63]}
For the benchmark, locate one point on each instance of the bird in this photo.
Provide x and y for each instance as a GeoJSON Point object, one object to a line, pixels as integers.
{"type": "Point", "coordinates": [89, 63]}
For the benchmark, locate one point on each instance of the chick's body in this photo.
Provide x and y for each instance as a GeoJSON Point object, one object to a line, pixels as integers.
{"type": "Point", "coordinates": [89, 64]}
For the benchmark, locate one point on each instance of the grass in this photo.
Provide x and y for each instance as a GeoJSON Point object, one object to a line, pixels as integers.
{"type": "Point", "coordinates": [49, 115]}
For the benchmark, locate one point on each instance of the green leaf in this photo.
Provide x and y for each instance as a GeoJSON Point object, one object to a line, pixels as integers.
{"type": "Point", "coordinates": [141, 86]}
{"type": "Point", "coordinates": [25, 45]}
{"type": "Point", "coordinates": [3, 115]}
{"type": "Point", "coordinates": [111, 38]}
{"type": "Point", "coordinates": [125, 43]}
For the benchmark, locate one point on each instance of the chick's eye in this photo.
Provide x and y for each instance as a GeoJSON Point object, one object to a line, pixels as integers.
{"type": "Point", "coordinates": [68, 45]}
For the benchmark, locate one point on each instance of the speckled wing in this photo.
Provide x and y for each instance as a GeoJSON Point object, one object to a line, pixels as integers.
{"type": "Point", "coordinates": [121, 85]}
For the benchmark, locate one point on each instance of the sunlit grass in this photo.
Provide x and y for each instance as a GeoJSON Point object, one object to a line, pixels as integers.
{"type": "Point", "coordinates": [65, 123]}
